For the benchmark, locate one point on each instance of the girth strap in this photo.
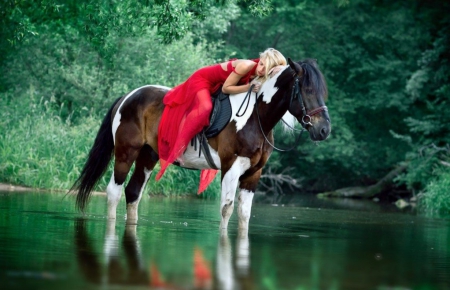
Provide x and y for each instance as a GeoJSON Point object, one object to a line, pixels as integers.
{"type": "Point", "coordinates": [204, 147]}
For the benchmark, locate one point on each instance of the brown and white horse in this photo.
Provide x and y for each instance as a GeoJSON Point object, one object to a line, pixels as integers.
{"type": "Point", "coordinates": [240, 150]}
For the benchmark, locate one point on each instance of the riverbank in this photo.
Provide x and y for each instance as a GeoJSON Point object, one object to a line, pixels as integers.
{"type": "Point", "coordinates": [18, 188]}
{"type": "Point", "coordinates": [10, 187]}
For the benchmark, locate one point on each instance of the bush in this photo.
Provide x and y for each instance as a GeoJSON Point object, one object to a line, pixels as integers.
{"type": "Point", "coordinates": [436, 198]}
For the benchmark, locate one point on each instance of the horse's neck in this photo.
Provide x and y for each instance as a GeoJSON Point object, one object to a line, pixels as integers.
{"type": "Point", "coordinates": [270, 114]}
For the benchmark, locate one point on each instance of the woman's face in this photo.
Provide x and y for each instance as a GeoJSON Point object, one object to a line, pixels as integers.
{"type": "Point", "coordinates": [261, 68]}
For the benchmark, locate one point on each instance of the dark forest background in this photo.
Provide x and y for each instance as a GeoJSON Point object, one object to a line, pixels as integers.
{"type": "Point", "coordinates": [386, 64]}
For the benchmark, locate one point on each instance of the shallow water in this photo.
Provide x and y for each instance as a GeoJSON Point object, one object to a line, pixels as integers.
{"type": "Point", "coordinates": [299, 243]}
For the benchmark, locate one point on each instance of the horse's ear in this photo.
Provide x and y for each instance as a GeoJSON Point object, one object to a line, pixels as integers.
{"type": "Point", "coordinates": [298, 69]}
{"type": "Point", "coordinates": [292, 65]}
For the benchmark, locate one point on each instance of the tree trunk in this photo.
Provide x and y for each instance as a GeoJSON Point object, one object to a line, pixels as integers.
{"type": "Point", "coordinates": [368, 191]}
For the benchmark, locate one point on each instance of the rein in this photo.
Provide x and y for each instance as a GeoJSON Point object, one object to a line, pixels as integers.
{"type": "Point", "coordinates": [295, 93]}
{"type": "Point", "coordinates": [247, 97]}
{"type": "Point", "coordinates": [273, 145]}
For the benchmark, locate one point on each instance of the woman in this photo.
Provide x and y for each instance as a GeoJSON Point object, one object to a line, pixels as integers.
{"type": "Point", "coordinates": [188, 105]}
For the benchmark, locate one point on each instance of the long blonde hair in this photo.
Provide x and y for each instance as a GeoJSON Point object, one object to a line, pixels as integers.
{"type": "Point", "coordinates": [271, 58]}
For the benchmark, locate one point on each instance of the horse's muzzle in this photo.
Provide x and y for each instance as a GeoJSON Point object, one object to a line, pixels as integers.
{"type": "Point", "coordinates": [320, 129]}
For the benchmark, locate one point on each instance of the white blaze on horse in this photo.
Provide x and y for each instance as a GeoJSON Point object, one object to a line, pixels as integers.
{"type": "Point", "coordinates": [240, 150]}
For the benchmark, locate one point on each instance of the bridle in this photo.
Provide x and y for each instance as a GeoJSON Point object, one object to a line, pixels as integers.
{"type": "Point", "coordinates": [306, 119]}
{"type": "Point", "coordinates": [297, 94]}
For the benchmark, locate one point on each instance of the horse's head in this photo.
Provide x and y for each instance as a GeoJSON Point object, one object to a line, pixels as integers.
{"type": "Point", "coordinates": [307, 104]}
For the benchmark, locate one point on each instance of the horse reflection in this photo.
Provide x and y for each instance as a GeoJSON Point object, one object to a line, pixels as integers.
{"type": "Point", "coordinates": [106, 268]}
{"type": "Point", "coordinates": [233, 275]}
{"type": "Point", "coordinates": [134, 273]}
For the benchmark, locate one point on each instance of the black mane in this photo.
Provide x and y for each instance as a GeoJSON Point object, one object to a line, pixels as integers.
{"type": "Point", "coordinates": [313, 79]}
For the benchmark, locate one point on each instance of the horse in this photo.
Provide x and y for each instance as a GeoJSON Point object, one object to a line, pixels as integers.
{"type": "Point", "coordinates": [129, 132]}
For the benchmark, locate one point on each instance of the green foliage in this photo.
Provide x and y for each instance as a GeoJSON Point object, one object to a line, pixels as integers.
{"type": "Point", "coordinates": [71, 81]}
{"type": "Point", "coordinates": [386, 65]}
{"type": "Point", "coordinates": [69, 74]}
{"type": "Point", "coordinates": [436, 198]}
{"type": "Point", "coordinates": [96, 20]}
{"type": "Point", "coordinates": [42, 150]}
{"type": "Point", "coordinates": [428, 88]}
{"type": "Point", "coordinates": [384, 81]}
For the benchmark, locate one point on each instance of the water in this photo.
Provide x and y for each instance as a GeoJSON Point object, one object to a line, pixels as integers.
{"type": "Point", "coordinates": [291, 244]}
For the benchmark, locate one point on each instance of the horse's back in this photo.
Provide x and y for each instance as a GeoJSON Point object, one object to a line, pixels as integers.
{"type": "Point", "coordinates": [140, 111]}
{"type": "Point", "coordinates": [140, 98]}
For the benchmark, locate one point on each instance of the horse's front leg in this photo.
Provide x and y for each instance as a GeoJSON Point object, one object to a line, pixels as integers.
{"type": "Point", "coordinates": [230, 181]}
{"type": "Point", "coordinates": [247, 188]}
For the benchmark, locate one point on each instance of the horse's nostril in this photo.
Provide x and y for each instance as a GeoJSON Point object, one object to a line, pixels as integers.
{"type": "Point", "coordinates": [324, 132]}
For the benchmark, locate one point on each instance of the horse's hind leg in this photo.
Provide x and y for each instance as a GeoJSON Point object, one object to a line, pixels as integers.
{"type": "Point", "coordinates": [126, 151]}
{"type": "Point", "coordinates": [115, 185]}
{"type": "Point", "coordinates": [145, 163]}
{"type": "Point", "coordinates": [247, 189]}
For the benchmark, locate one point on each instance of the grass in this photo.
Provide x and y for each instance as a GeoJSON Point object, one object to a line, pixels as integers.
{"type": "Point", "coordinates": [39, 149]}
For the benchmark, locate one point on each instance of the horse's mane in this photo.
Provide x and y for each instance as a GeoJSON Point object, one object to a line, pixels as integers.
{"type": "Point", "coordinates": [312, 78]}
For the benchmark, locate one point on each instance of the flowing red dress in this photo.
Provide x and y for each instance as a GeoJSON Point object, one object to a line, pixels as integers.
{"type": "Point", "coordinates": [186, 113]}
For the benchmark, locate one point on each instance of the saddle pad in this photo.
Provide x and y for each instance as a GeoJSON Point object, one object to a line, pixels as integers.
{"type": "Point", "coordinates": [220, 114]}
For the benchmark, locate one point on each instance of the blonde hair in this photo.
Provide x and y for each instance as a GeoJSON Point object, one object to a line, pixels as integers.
{"type": "Point", "coordinates": [271, 58]}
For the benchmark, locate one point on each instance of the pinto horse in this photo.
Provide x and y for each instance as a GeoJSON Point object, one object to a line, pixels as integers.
{"type": "Point", "coordinates": [130, 132]}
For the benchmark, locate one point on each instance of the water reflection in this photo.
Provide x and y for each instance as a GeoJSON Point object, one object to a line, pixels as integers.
{"type": "Point", "coordinates": [115, 273]}
{"type": "Point", "coordinates": [121, 262]}
{"type": "Point", "coordinates": [177, 245]}
{"type": "Point", "coordinates": [233, 273]}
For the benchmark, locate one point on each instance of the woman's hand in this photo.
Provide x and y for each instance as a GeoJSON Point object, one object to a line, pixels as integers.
{"type": "Point", "coordinates": [256, 86]}
{"type": "Point", "coordinates": [242, 68]}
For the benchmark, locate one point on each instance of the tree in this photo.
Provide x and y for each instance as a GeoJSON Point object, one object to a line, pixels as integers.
{"type": "Point", "coordinates": [369, 52]}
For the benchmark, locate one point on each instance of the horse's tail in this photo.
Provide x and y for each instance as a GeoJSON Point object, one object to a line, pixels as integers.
{"type": "Point", "coordinates": [98, 160]}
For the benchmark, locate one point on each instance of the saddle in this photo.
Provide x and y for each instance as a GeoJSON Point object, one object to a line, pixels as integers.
{"type": "Point", "coordinates": [219, 118]}
{"type": "Point", "coordinates": [220, 114]}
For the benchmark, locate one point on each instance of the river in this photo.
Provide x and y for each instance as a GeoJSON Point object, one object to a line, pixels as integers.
{"type": "Point", "coordinates": [293, 243]}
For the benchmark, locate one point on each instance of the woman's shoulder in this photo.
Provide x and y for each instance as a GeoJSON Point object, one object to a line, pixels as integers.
{"type": "Point", "coordinates": [244, 64]}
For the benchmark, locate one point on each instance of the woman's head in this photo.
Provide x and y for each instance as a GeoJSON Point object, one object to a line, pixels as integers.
{"type": "Point", "coordinates": [269, 59]}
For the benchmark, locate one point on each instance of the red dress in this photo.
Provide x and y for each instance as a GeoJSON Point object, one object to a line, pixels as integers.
{"type": "Point", "coordinates": [186, 113]}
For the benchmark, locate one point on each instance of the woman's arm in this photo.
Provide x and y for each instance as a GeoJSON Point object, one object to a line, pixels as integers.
{"type": "Point", "coordinates": [242, 68]}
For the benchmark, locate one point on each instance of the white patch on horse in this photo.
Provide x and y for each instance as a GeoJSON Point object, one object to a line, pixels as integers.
{"type": "Point", "coordinates": [229, 185]}
{"type": "Point", "coordinates": [118, 116]}
{"type": "Point", "coordinates": [160, 87]}
{"type": "Point", "coordinates": [231, 178]}
{"type": "Point", "coordinates": [245, 207]}
{"type": "Point", "coordinates": [190, 158]}
{"type": "Point", "coordinates": [268, 88]}
{"type": "Point", "coordinates": [114, 192]}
